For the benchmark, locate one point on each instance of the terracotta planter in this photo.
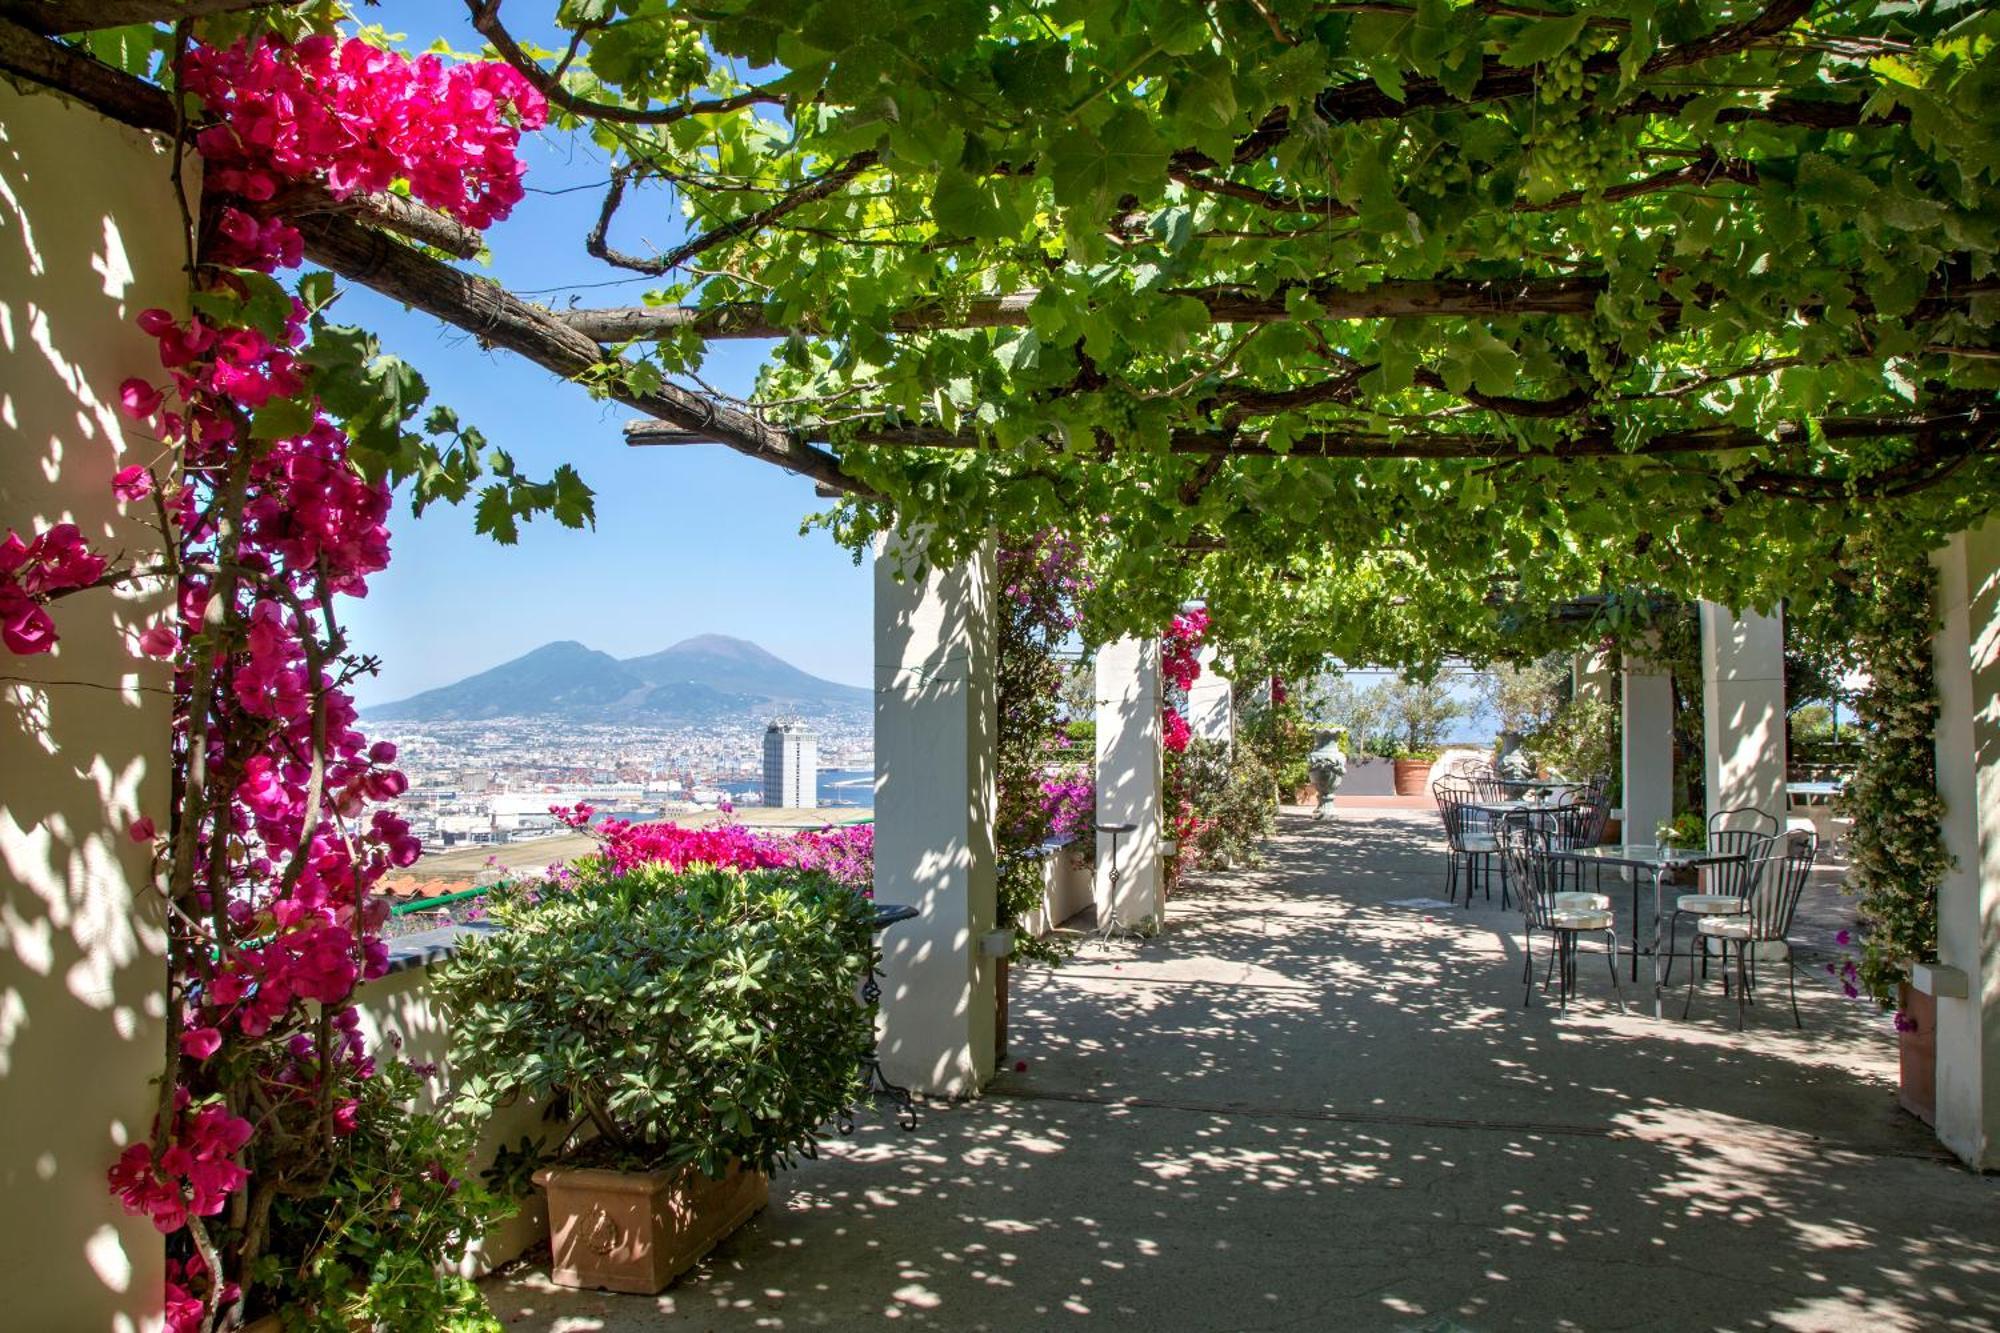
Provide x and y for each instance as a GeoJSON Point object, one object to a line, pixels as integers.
{"type": "Point", "coordinates": [636, 1231]}
{"type": "Point", "coordinates": [1613, 828]}
{"type": "Point", "coordinates": [1413, 776]}
{"type": "Point", "coordinates": [1916, 1041]}
{"type": "Point", "coordinates": [1306, 795]}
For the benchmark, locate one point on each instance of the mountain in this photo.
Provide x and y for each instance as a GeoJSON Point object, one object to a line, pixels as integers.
{"type": "Point", "coordinates": [704, 678]}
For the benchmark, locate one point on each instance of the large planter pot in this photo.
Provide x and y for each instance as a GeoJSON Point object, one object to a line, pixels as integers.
{"type": "Point", "coordinates": [1413, 776]}
{"type": "Point", "coordinates": [1916, 1040]}
{"type": "Point", "coordinates": [1305, 795]}
{"type": "Point", "coordinates": [636, 1231]}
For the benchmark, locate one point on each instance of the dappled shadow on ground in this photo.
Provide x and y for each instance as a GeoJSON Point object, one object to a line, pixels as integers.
{"type": "Point", "coordinates": [1306, 1106]}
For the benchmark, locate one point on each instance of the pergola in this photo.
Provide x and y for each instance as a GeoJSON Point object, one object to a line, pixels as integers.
{"type": "Point", "coordinates": [1337, 317]}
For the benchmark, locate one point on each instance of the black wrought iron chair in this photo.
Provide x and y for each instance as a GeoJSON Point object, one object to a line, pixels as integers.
{"type": "Point", "coordinates": [1574, 823]}
{"type": "Point", "coordinates": [1742, 831]}
{"type": "Point", "coordinates": [1761, 932]}
{"type": "Point", "coordinates": [1469, 837]}
{"type": "Point", "coordinates": [1565, 917]}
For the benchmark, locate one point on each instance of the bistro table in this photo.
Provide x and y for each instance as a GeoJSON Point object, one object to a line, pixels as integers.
{"type": "Point", "coordinates": [1656, 861]}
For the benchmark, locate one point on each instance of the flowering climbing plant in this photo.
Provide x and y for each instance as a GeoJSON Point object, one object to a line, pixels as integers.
{"type": "Point", "coordinates": [270, 429]}
{"type": "Point", "coordinates": [1180, 665]}
{"type": "Point", "coordinates": [1040, 581]}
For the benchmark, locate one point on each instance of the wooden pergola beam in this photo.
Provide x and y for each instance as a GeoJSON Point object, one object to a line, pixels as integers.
{"type": "Point", "coordinates": [1392, 298]}
{"type": "Point", "coordinates": [54, 17]}
{"type": "Point", "coordinates": [1410, 445]}
{"type": "Point", "coordinates": [365, 255]}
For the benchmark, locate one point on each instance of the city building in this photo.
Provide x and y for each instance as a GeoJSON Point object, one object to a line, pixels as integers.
{"type": "Point", "coordinates": [791, 766]}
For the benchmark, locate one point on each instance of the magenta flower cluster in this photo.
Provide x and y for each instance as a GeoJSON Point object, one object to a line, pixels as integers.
{"type": "Point", "coordinates": [846, 852]}
{"type": "Point", "coordinates": [31, 572]}
{"type": "Point", "coordinates": [356, 118]}
{"type": "Point", "coordinates": [1069, 803]}
{"type": "Point", "coordinates": [1180, 663]}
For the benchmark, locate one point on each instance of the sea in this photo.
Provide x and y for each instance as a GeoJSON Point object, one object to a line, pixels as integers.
{"type": "Point", "coordinates": [853, 787]}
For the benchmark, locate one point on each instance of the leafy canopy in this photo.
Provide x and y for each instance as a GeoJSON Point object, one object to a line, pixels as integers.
{"type": "Point", "coordinates": [1385, 327]}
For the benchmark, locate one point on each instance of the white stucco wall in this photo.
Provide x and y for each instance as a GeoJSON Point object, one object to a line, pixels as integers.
{"type": "Point", "coordinates": [85, 244]}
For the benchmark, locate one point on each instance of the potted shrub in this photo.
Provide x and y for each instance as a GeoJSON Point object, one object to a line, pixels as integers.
{"type": "Point", "coordinates": [1412, 766]}
{"type": "Point", "coordinates": [696, 1027]}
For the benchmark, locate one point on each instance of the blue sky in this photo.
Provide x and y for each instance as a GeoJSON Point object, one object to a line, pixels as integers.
{"type": "Point", "coordinates": [688, 541]}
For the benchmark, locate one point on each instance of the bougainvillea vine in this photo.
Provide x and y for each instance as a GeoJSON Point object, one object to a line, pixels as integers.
{"type": "Point", "coordinates": [271, 846]}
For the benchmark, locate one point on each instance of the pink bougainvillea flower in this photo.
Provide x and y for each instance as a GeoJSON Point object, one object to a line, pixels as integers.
{"type": "Point", "coordinates": [200, 1043]}
{"type": "Point", "coordinates": [132, 483]}
{"type": "Point", "coordinates": [138, 400]}
{"type": "Point", "coordinates": [141, 830]}
{"type": "Point", "coordinates": [159, 641]}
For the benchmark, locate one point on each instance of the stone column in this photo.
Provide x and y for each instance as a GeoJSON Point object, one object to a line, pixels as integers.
{"type": "Point", "coordinates": [1210, 713]}
{"type": "Point", "coordinates": [1647, 696]}
{"type": "Point", "coordinates": [1591, 677]}
{"type": "Point", "coordinates": [935, 714]}
{"type": "Point", "coordinates": [1128, 781]}
{"type": "Point", "coordinates": [1966, 981]}
{"type": "Point", "coordinates": [1743, 709]}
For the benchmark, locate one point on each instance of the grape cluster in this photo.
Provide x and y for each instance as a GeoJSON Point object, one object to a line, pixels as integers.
{"type": "Point", "coordinates": [1443, 171]}
{"type": "Point", "coordinates": [1578, 334]}
{"type": "Point", "coordinates": [1568, 148]}
{"type": "Point", "coordinates": [1563, 79]}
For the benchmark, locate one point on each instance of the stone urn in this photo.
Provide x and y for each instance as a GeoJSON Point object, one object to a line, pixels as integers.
{"type": "Point", "coordinates": [636, 1231]}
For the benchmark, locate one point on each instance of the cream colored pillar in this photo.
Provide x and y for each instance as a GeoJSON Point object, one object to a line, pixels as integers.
{"type": "Point", "coordinates": [1966, 981]}
{"type": "Point", "coordinates": [1211, 715]}
{"type": "Point", "coordinates": [1592, 677]}
{"type": "Point", "coordinates": [1743, 710]}
{"type": "Point", "coordinates": [86, 242]}
{"type": "Point", "coordinates": [1128, 783]}
{"type": "Point", "coordinates": [1646, 696]}
{"type": "Point", "coordinates": [935, 714]}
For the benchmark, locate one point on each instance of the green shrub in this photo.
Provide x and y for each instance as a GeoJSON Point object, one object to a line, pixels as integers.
{"type": "Point", "coordinates": [703, 1016]}
{"type": "Point", "coordinates": [1240, 814]}
{"type": "Point", "coordinates": [1580, 742]}
{"type": "Point", "coordinates": [370, 1247]}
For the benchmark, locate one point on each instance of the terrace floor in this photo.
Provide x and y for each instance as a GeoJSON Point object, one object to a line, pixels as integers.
{"type": "Point", "coordinates": [1308, 1107]}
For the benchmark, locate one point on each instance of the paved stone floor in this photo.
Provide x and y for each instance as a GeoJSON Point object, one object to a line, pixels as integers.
{"type": "Point", "coordinates": [1307, 1107]}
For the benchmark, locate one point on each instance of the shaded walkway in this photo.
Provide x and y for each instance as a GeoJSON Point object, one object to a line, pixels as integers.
{"type": "Point", "coordinates": [1308, 1108]}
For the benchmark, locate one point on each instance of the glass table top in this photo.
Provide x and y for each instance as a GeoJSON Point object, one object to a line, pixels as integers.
{"type": "Point", "coordinates": [1647, 855]}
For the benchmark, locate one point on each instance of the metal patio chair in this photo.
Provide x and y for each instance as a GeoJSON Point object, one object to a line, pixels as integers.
{"type": "Point", "coordinates": [1470, 838]}
{"type": "Point", "coordinates": [1740, 831]}
{"type": "Point", "coordinates": [1565, 917]}
{"type": "Point", "coordinates": [1761, 931]}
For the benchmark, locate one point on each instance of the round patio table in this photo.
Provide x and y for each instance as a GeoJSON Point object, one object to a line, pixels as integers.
{"type": "Point", "coordinates": [1655, 861]}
